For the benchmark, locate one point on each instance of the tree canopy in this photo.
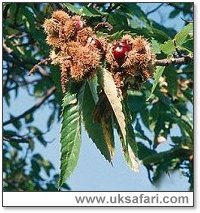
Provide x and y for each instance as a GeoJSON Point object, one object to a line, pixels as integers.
{"type": "Point", "coordinates": [104, 65]}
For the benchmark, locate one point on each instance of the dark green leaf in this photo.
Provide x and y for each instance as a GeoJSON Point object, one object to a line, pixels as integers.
{"type": "Point", "coordinates": [142, 135]}
{"type": "Point", "coordinates": [134, 9]}
{"type": "Point", "coordinates": [84, 11]}
{"type": "Point", "coordinates": [144, 151]}
{"type": "Point", "coordinates": [7, 99]}
{"type": "Point", "coordinates": [72, 8]}
{"type": "Point", "coordinates": [145, 115]}
{"type": "Point", "coordinates": [92, 12]}
{"type": "Point", "coordinates": [16, 123]}
{"type": "Point", "coordinates": [9, 133]}
{"type": "Point", "coordinates": [70, 136]}
{"type": "Point", "coordinates": [30, 19]}
{"type": "Point", "coordinates": [171, 78]}
{"type": "Point", "coordinates": [157, 74]}
{"type": "Point", "coordinates": [129, 144]}
{"type": "Point", "coordinates": [93, 128]}
{"type": "Point", "coordinates": [189, 45]}
{"type": "Point", "coordinates": [51, 120]}
{"type": "Point", "coordinates": [158, 34]}
{"type": "Point", "coordinates": [136, 101]}
{"type": "Point", "coordinates": [16, 144]}
{"type": "Point", "coordinates": [114, 18]}
{"type": "Point", "coordinates": [174, 13]}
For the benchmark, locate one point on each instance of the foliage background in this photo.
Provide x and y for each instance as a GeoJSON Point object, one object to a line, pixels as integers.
{"type": "Point", "coordinates": [24, 45]}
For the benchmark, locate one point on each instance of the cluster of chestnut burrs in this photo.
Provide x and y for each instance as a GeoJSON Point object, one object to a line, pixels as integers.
{"type": "Point", "coordinates": [80, 53]}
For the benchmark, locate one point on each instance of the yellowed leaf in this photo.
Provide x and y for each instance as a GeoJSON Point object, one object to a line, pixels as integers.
{"type": "Point", "coordinates": [109, 87]}
{"type": "Point", "coordinates": [134, 162]}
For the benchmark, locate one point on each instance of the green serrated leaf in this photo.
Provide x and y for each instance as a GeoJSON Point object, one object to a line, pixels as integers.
{"type": "Point", "coordinates": [164, 33]}
{"type": "Point", "coordinates": [168, 47]}
{"type": "Point", "coordinates": [160, 35]}
{"type": "Point", "coordinates": [103, 141]}
{"type": "Point", "coordinates": [93, 88]}
{"type": "Point", "coordinates": [174, 13]}
{"type": "Point", "coordinates": [181, 37]}
{"type": "Point", "coordinates": [134, 9]}
{"type": "Point", "coordinates": [129, 145]}
{"type": "Point", "coordinates": [30, 19]}
{"type": "Point", "coordinates": [117, 35]}
{"type": "Point", "coordinates": [70, 136]}
{"type": "Point", "coordinates": [130, 154]}
{"type": "Point", "coordinates": [155, 46]}
{"type": "Point", "coordinates": [145, 116]}
{"type": "Point", "coordinates": [91, 12]}
{"type": "Point", "coordinates": [157, 74]}
{"type": "Point", "coordinates": [131, 159]}
{"type": "Point", "coordinates": [166, 156]}
{"type": "Point", "coordinates": [84, 11]}
{"type": "Point", "coordinates": [113, 19]}
{"type": "Point", "coordinates": [109, 87]}
{"type": "Point", "coordinates": [189, 45]}
{"type": "Point", "coordinates": [72, 8]}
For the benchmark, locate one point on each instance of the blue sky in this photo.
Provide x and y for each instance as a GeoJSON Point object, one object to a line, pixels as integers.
{"type": "Point", "coordinates": [93, 172]}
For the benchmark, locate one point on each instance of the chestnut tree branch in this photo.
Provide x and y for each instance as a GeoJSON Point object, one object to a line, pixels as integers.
{"type": "Point", "coordinates": [33, 108]}
{"type": "Point", "coordinates": [37, 66]}
{"type": "Point", "coordinates": [167, 61]}
{"type": "Point", "coordinates": [155, 9]}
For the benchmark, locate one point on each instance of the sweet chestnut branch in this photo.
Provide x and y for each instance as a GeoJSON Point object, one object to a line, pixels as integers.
{"type": "Point", "coordinates": [80, 53]}
{"type": "Point", "coordinates": [181, 60]}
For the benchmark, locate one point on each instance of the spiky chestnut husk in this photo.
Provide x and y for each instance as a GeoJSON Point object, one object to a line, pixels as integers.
{"type": "Point", "coordinates": [51, 27]}
{"type": "Point", "coordinates": [60, 16]}
{"type": "Point", "coordinates": [83, 35]}
{"type": "Point", "coordinates": [140, 58]}
{"type": "Point", "coordinates": [76, 62]}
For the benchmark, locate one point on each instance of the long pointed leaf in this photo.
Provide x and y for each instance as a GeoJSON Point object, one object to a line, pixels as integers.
{"type": "Point", "coordinates": [100, 135]}
{"type": "Point", "coordinates": [70, 136]}
{"type": "Point", "coordinates": [129, 145]}
{"type": "Point", "coordinates": [109, 87]}
{"type": "Point", "coordinates": [130, 149]}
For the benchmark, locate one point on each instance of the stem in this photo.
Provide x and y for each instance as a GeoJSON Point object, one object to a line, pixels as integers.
{"type": "Point", "coordinates": [154, 10]}
{"type": "Point", "coordinates": [38, 64]}
{"type": "Point", "coordinates": [167, 61]}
